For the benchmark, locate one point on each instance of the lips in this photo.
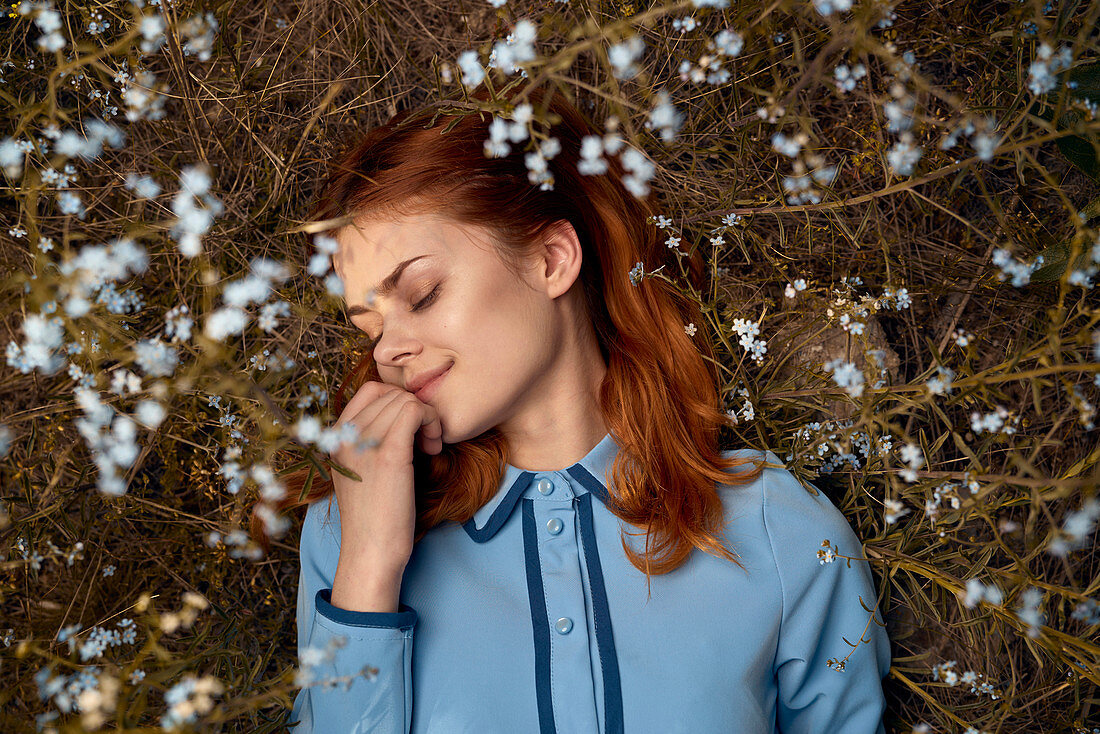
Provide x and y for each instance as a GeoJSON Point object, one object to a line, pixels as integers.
{"type": "Point", "coordinates": [419, 382]}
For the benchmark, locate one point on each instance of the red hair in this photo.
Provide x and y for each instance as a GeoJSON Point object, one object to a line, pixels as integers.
{"type": "Point", "coordinates": [659, 397]}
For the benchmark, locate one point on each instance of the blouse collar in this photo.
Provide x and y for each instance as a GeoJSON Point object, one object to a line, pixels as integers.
{"type": "Point", "coordinates": [589, 474]}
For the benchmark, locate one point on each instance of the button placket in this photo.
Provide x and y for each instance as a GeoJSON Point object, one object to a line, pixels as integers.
{"type": "Point", "coordinates": [571, 666]}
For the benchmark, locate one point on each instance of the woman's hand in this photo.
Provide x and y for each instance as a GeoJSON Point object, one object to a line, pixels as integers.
{"type": "Point", "coordinates": [378, 513]}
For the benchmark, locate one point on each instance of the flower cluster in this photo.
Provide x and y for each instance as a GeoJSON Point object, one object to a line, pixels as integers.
{"type": "Point", "coordinates": [624, 57]}
{"type": "Point", "coordinates": [995, 422]}
{"type": "Point", "coordinates": [194, 220]}
{"type": "Point", "coordinates": [940, 383]}
{"type": "Point", "coordinates": [1077, 526]}
{"type": "Point", "coordinates": [828, 7]}
{"type": "Point", "coordinates": [793, 288]}
{"type": "Point", "coordinates": [311, 658]}
{"type": "Point", "coordinates": [48, 21]}
{"type": "Point", "coordinates": [905, 153]}
{"type": "Point", "coordinates": [593, 147]}
{"type": "Point", "coordinates": [265, 275]}
{"type": "Point", "coordinates": [914, 459]}
{"type": "Point", "coordinates": [42, 340]}
{"type": "Point", "coordinates": [747, 411]}
{"type": "Point", "coordinates": [846, 78]}
{"type": "Point", "coordinates": [189, 698]}
{"type": "Point", "coordinates": [198, 33]}
{"type": "Point", "coordinates": [727, 44]}
{"type": "Point", "coordinates": [946, 492]}
{"type": "Point", "coordinates": [1088, 612]}
{"type": "Point", "coordinates": [976, 591]}
{"type": "Point", "coordinates": [92, 693]}
{"type": "Point", "coordinates": [1019, 272]}
{"type": "Point", "coordinates": [1042, 74]}
{"type": "Point", "coordinates": [846, 375]}
{"type": "Point", "coordinates": [749, 330]}
{"type": "Point", "coordinates": [502, 132]}
{"type": "Point", "coordinates": [895, 510]}
{"type": "Point", "coordinates": [144, 96]}
{"type": "Point", "coordinates": [665, 117]}
{"type": "Point", "coordinates": [1083, 276]}
{"type": "Point", "coordinates": [809, 169]}
{"type": "Point", "coordinates": [638, 274]}
{"type": "Point", "coordinates": [1028, 611]}
{"type": "Point", "coordinates": [1086, 410]}
{"type": "Point", "coordinates": [35, 558]}
{"type": "Point", "coordinates": [237, 541]}
{"type": "Point", "coordinates": [945, 672]}
{"type": "Point", "coordinates": [832, 435]}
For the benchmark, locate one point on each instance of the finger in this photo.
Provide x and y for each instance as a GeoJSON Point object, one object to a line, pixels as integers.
{"type": "Point", "coordinates": [373, 409]}
{"type": "Point", "coordinates": [431, 432]}
{"type": "Point", "coordinates": [399, 439]}
{"type": "Point", "coordinates": [365, 395]}
{"type": "Point", "coordinates": [371, 423]}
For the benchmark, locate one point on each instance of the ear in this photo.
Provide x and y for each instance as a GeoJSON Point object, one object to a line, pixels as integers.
{"type": "Point", "coordinates": [561, 258]}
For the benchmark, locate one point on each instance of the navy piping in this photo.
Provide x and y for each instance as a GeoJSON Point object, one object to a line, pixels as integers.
{"type": "Point", "coordinates": [501, 513]}
{"type": "Point", "coordinates": [403, 618]}
{"type": "Point", "coordinates": [609, 662]}
{"type": "Point", "coordinates": [540, 626]}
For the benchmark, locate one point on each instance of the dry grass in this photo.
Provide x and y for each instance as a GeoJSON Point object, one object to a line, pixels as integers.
{"type": "Point", "coordinates": [287, 84]}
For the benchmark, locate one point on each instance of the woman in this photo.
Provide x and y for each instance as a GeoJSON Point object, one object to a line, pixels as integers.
{"type": "Point", "coordinates": [537, 540]}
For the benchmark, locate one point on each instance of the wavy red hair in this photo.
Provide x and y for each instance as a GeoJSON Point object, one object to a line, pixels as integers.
{"type": "Point", "coordinates": [659, 397]}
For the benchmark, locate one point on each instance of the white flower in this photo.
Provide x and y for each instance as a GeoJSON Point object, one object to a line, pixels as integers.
{"type": "Point", "coordinates": [904, 155]}
{"type": "Point", "coordinates": [787, 146]}
{"type": "Point", "coordinates": [976, 591]}
{"type": "Point", "coordinates": [623, 55]}
{"type": "Point", "coordinates": [225, 321]}
{"type": "Point", "coordinates": [846, 375]}
{"type": "Point", "coordinates": [641, 172]}
{"type": "Point", "coordinates": [729, 42]}
{"type": "Point", "coordinates": [911, 455]}
{"type": "Point", "coordinates": [827, 7]}
{"type": "Point", "coordinates": [895, 510]}
{"type": "Point", "coordinates": [591, 163]}
{"type": "Point", "coordinates": [150, 413]}
{"type": "Point", "coordinates": [665, 117]}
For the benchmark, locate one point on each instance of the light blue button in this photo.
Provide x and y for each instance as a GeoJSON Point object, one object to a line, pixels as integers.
{"type": "Point", "coordinates": [563, 625]}
{"type": "Point", "coordinates": [546, 486]}
{"type": "Point", "coordinates": [554, 525]}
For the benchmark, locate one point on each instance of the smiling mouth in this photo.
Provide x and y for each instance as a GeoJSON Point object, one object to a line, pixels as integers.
{"type": "Point", "coordinates": [425, 393]}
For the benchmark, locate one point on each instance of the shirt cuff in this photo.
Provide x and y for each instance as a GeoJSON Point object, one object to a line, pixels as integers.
{"type": "Point", "coordinates": [403, 618]}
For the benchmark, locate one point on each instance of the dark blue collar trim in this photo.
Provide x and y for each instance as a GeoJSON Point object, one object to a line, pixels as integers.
{"type": "Point", "coordinates": [500, 515]}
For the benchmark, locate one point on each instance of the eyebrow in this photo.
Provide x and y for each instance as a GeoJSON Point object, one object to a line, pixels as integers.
{"type": "Point", "coordinates": [388, 285]}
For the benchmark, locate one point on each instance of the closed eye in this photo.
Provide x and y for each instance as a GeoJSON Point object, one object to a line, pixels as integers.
{"type": "Point", "coordinates": [420, 305]}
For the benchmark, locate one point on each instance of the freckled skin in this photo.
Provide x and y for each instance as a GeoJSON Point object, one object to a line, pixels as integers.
{"type": "Point", "coordinates": [520, 364]}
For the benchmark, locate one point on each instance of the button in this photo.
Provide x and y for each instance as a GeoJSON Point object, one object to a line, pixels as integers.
{"type": "Point", "coordinates": [546, 486]}
{"type": "Point", "coordinates": [563, 625]}
{"type": "Point", "coordinates": [554, 525]}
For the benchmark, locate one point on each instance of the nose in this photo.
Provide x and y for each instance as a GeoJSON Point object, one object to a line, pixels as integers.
{"type": "Point", "coordinates": [395, 345]}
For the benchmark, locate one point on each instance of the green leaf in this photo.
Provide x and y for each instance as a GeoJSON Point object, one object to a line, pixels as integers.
{"type": "Point", "coordinates": [1081, 151]}
{"type": "Point", "coordinates": [1055, 257]}
{"type": "Point", "coordinates": [1077, 149]}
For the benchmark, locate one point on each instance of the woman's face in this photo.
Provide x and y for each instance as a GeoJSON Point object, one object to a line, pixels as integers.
{"type": "Point", "coordinates": [456, 304]}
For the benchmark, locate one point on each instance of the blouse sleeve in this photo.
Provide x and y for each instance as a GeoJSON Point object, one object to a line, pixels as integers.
{"type": "Point", "coordinates": [821, 608]}
{"type": "Point", "coordinates": [365, 701]}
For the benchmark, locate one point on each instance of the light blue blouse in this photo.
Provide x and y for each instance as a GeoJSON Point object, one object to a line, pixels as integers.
{"type": "Point", "coordinates": [529, 618]}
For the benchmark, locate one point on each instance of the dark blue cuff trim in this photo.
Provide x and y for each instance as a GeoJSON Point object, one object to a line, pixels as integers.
{"type": "Point", "coordinates": [404, 617]}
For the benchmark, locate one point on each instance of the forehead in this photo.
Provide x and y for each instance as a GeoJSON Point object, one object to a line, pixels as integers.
{"type": "Point", "coordinates": [370, 249]}
{"type": "Point", "coordinates": [376, 245]}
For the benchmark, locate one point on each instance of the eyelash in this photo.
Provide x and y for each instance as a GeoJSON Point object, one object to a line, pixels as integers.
{"type": "Point", "coordinates": [418, 306]}
{"type": "Point", "coordinates": [426, 300]}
